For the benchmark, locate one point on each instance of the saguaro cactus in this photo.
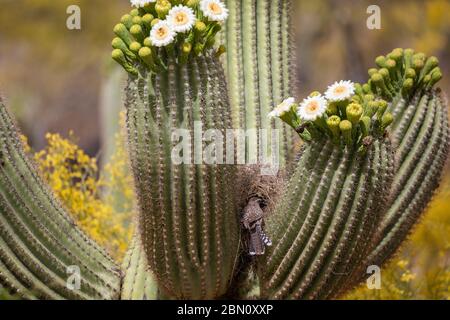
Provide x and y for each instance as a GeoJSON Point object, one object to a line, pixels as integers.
{"type": "Point", "coordinates": [371, 160]}
{"type": "Point", "coordinates": [39, 243]}
{"type": "Point", "coordinates": [188, 217]}
{"type": "Point", "coordinates": [335, 196]}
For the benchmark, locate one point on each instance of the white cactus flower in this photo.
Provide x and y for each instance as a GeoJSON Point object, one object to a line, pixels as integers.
{"type": "Point", "coordinates": [340, 91]}
{"type": "Point", "coordinates": [312, 108]}
{"type": "Point", "coordinates": [282, 108]}
{"type": "Point", "coordinates": [162, 34]}
{"type": "Point", "coordinates": [214, 10]}
{"type": "Point", "coordinates": [181, 18]}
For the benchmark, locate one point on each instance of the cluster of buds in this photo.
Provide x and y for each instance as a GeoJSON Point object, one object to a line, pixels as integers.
{"type": "Point", "coordinates": [343, 114]}
{"type": "Point", "coordinates": [402, 71]}
{"type": "Point", "coordinates": [156, 30]}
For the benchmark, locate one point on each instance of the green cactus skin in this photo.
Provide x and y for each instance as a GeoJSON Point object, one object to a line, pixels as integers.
{"type": "Point", "coordinates": [38, 239]}
{"type": "Point", "coordinates": [138, 282]}
{"type": "Point", "coordinates": [421, 137]}
{"type": "Point", "coordinates": [259, 67]}
{"type": "Point", "coordinates": [188, 217]}
{"type": "Point", "coordinates": [332, 202]}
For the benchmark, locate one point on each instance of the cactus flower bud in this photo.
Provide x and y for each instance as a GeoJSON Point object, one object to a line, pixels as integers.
{"type": "Point", "coordinates": [365, 125]}
{"type": "Point", "coordinates": [137, 32]}
{"type": "Point", "coordinates": [162, 8]}
{"type": "Point", "coordinates": [386, 121]}
{"type": "Point", "coordinates": [333, 124]}
{"type": "Point", "coordinates": [135, 47]}
{"type": "Point", "coordinates": [354, 112]}
{"type": "Point", "coordinates": [346, 129]}
{"type": "Point", "coordinates": [127, 20]}
{"type": "Point", "coordinates": [122, 32]}
{"type": "Point", "coordinates": [120, 58]}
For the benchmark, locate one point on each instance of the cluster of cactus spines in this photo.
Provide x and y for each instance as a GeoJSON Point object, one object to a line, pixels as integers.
{"type": "Point", "coordinates": [38, 239]}
{"type": "Point", "coordinates": [138, 282]}
{"type": "Point", "coordinates": [188, 217]}
{"type": "Point", "coordinates": [260, 72]}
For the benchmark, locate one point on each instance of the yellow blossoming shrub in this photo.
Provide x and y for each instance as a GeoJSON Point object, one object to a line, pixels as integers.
{"type": "Point", "coordinates": [101, 203]}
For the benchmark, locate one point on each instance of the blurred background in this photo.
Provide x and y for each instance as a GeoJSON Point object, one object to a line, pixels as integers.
{"type": "Point", "coordinates": [58, 80]}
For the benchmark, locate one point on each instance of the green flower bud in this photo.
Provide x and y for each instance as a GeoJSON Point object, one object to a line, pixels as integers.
{"type": "Point", "coordinates": [366, 88]}
{"type": "Point", "coordinates": [147, 19]}
{"type": "Point", "coordinates": [200, 26]}
{"type": "Point", "coordinates": [380, 61]}
{"type": "Point", "coordinates": [354, 112]}
{"type": "Point", "coordinates": [391, 64]}
{"type": "Point", "coordinates": [372, 71]}
{"type": "Point", "coordinates": [408, 85]}
{"type": "Point", "coordinates": [122, 32]}
{"type": "Point", "coordinates": [385, 74]}
{"type": "Point", "coordinates": [396, 54]}
{"type": "Point", "coordinates": [365, 125]}
{"type": "Point", "coordinates": [359, 89]}
{"type": "Point", "coordinates": [118, 43]}
{"type": "Point", "coordinates": [145, 54]}
{"type": "Point", "coordinates": [135, 47]}
{"type": "Point", "coordinates": [137, 32]}
{"type": "Point", "coordinates": [417, 64]}
{"type": "Point", "coordinates": [387, 120]}
{"type": "Point", "coordinates": [192, 3]}
{"type": "Point", "coordinates": [120, 58]}
{"type": "Point", "coordinates": [332, 109]}
{"type": "Point", "coordinates": [410, 73]}
{"type": "Point", "coordinates": [382, 107]}
{"type": "Point", "coordinates": [162, 8]}
{"type": "Point", "coordinates": [137, 20]}
{"type": "Point", "coordinates": [436, 76]}
{"type": "Point", "coordinates": [430, 64]}
{"type": "Point", "coordinates": [346, 127]}
{"type": "Point", "coordinates": [134, 12]}
{"type": "Point", "coordinates": [127, 20]}
{"type": "Point", "coordinates": [154, 21]}
{"type": "Point", "coordinates": [148, 42]}
{"type": "Point", "coordinates": [333, 124]}
{"type": "Point", "coordinates": [314, 94]}
{"type": "Point", "coordinates": [372, 108]}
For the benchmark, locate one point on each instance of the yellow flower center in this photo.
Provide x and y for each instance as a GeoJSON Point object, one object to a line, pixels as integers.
{"type": "Point", "coordinates": [215, 8]}
{"type": "Point", "coordinates": [339, 90]}
{"type": "Point", "coordinates": [181, 18]}
{"type": "Point", "coordinates": [312, 107]}
{"type": "Point", "coordinates": [162, 32]}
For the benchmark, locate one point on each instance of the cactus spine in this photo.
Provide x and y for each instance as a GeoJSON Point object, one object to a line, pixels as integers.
{"type": "Point", "coordinates": [259, 68]}
{"type": "Point", "coordinates": [38, 239]}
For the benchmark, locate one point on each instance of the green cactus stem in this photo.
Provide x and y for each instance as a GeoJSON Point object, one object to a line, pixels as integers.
{"type": "Point", "coordinates": [332, 201]}
{"type": "Point", "coordinates": [259, 68]}
{"type": "Point", "coordinates": [39, 242]}
{"type": "Point", "coordinates": [138, 282]}
{"type": "Point", "coordinates": [188, 215]}
{"type": "Point", "coordinates": [420, 136]}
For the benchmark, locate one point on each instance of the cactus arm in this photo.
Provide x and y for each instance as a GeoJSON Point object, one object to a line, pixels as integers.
{"type": "Point", "coordinates": [138, 282]}
{"type": "Point", "coordinates": [420, 136]}
{"type": "Point", "coordinates": [38, 239]}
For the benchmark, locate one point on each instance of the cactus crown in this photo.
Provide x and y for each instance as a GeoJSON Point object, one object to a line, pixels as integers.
{"type": "Point", "coordinates": [402, 70]}
{"type": "Point", "coordinates": [155, 31]}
